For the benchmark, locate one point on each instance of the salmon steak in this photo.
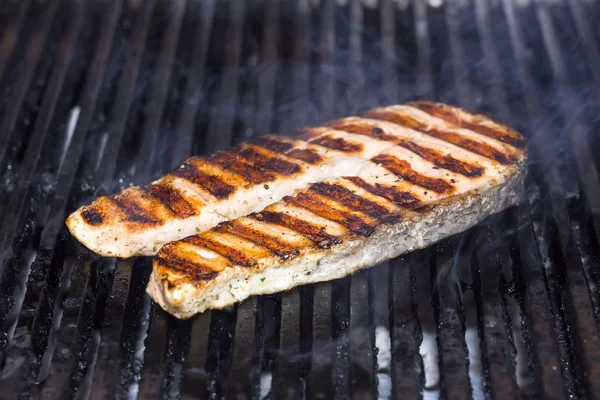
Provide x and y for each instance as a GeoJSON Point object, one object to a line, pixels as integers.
{"type": "Point", "coordinates": [278, 212]}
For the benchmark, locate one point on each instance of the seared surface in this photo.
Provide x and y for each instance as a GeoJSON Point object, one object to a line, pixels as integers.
{"type": "Point", "coordinates": [428, 172]}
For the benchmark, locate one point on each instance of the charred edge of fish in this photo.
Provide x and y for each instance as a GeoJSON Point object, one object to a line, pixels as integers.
{"type": "Point", "coordinates": [315, 205]}
{"type": "Point", "coordinates": [456, 139]}
{"type": "Point", "coordinates": [272, 144]}
{"type": "Point", "coordinates": [232, 254]}
{"type": "Point", "coordinates": [339, 144]}
{"type": "Point", "coordinates": [133, 211]}
{"type": "Point", "coordinates": [191, 269]}
{"type": "Point", "coordinates": [363, 129]}
{"type": "Point", "coordinates": [283, 250]}
{"type": "Point", "coordinates": [449, 115]}
{"type": "Point", "coordinates": [443, 161]}
{"type": "Point", "coordinates": [214, 185]}
{"type": "Point", "coordinates": [307, 155]}
{"type": "Point", "coordinates": [347, 198]}
{"type": "Point", "coordinates": [234, 163]}
{"type": "Point", "coordinates": [316, 234]}
{"type": "Point", "coordinates": [171, 199]}
{"type": "Point", "coordinates": [401, 198]}
{"type": "Point", "coordinates": [403, 169]}
{"type": "Point", "coordinates": [92, 216]}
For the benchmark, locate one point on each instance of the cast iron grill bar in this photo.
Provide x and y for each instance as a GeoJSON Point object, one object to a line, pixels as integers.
{"type": "Point", "coordinates": [361, 375]}
{"type": "Point", "coordinates": [269, 57]}
{"type": "Point", "coordinates": [452, 348]}
{"type": "Point", "coordinates": [243, 377]}
{"type": "Point", "coordinates": [498, 351]}
{"type": "Point", "coordinates": [219, 133]}
{"type": "Point", "coordinates": [152, 376]}
{"type": "Point", "coordinates": [194, 384]}
{"type": "Point", "coordinates": [459, 66]}
{"type": "Point", "coordinates": [192, 95]}
{"type": "Point", "coordinates": [408, 376]}
{"type": "Point", "coordinates": [321, 373]}
{"type": "Point", "coordinates": [35, 49]}
{"type": "Point", "coordinates": [10, 35]}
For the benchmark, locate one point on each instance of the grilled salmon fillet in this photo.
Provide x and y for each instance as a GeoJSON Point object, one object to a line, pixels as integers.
{"type": "Point", "coordinates": [438, 170]}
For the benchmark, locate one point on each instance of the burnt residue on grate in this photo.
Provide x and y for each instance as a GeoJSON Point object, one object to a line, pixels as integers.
{"type": "Point", "coordinates": [97, 96]}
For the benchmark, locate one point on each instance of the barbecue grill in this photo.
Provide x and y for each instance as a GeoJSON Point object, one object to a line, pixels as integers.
{"type": "Point", "coordinates": [99, 95]}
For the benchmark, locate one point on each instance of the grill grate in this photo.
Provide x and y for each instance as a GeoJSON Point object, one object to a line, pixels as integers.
{"type": "Point", "coordinates": [95, 96]}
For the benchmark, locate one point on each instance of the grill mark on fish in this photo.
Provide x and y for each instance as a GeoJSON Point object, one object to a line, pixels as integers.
{"type": "Point", "coordinates": [314, 204]}
{"type": "Point", "coordinates": [363, 129]}
{"type": "Point", "coordinates": [454, 118]}
{"type": "Point", "coordinates": [234, 163]}
{"type": "Point", "coordinates": [212, 184]}
{"type": "Point", "coordinates": [271, 143]}
{"type": "Point", "coordinates": [339, 144]}
{"type": "Point", "coordinates": [403, 169]}
{"type": "Point", "coordinates": [456, 139]}
{"type": "Point", "coordinates": [347, 198]}
{"type": "Point", "coordinates": [92, 216]}
{"type": "Point", "coordinates": [399, 197]}
{"type": "Point", "coordinates": [444, 161]}
{"type": "Point", "coordinates": [171, 198]}
{"type": "Point", "coordinates": [273, 164]}
{"type": "Point", "coordinates": [234, 255]}
{"type": "Point", "coordinates": [318, 235]}
{"type": "Point", "coordinates": [193, 270]}
{"type": "Point", "coordinates": [283, 250]}
{"type": "Point", "coordinates": [307, 155]}
{"type": "Point", "coordinates": [134, 212]}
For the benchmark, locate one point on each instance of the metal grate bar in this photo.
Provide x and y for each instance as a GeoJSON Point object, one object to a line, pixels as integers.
{"type": "Point", "coordinates": [194, 384]}
{"type": "Point", "coordinates": [452, 348]}
{"type": "Point", "coordinates": [152, 376]}
{"type": "Point", "coordinates": [192, 95]}
{"type": "Point", "coordinates": [361, 339]}
{"type": "Point", "coordinates": [105, 368]}
{"type": "Point", "coordinates": [408, 377]}
{"type": "Point", "coordinates": [10, 35]}
{"type": "Point", "coordinates": [219, 134]}
{"type": "Point", "coordinates": [320, 376]}
{"type": "Point", "coordinates": [33, 54]}
{"type": "Point", "coordinates": [269, 57]}
{"type": "Point", "coordinates": [498, 351]}
{"type": "Point", "coordinates": [243, 377]}
{"type": "Point", "coordinates": [287, 377]}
